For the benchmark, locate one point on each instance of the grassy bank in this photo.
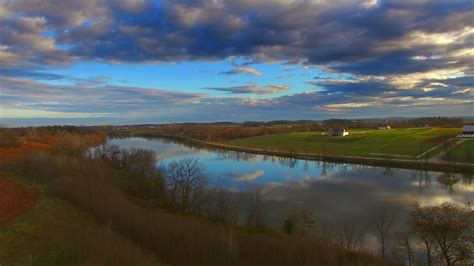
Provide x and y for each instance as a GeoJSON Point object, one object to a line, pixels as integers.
{"type": "Point", "coordinates": [385, 161]}
{"type": "Point", "coordinates": [464, 152]}
{"type": "Point", "coordinates": [55, 232]}
{"type": "Point", "coordinates": [407, 142]}
{"type": "Point", "coordinates": [91, 219]}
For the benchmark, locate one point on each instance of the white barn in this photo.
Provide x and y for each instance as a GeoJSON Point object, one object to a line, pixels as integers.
{"type": "Point", "coordinates": [384, 127]}
{"type": "Point", "coordinates": [338, 132]}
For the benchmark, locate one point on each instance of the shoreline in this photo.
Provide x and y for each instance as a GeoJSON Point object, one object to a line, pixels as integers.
{"type": "Point", "coordinates": [418, 164]}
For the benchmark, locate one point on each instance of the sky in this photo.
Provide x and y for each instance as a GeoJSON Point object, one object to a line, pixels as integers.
{"type": "Point", "coordinates": [137, 61]}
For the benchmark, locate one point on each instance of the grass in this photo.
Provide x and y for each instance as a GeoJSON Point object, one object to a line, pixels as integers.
{"type": "Point", "coordinates": [56, 233]}
{"type": "Point", "coordinates": [411, 142]}
{"type": "Point", "coordinates": [464, 152]}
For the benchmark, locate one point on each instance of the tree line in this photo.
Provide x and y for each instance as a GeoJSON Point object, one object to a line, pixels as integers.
{"type": "Point", "coordinates": [230, 131]}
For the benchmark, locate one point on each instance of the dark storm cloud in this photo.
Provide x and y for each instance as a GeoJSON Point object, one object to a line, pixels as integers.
{"type": "Point", "coordinates": [347, 35]}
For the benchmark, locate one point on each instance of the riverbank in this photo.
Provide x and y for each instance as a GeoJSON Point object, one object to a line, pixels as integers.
{"type": "Point", "coordinates": [417, 164]}
{"type": "Point", "coordinates": [91, 191]}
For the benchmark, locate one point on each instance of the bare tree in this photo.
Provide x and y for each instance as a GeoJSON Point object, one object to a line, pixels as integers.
{"type": "Point", "coordinates": [325, 230]}
{"type": "Point", "coordinates": [446, 228]}
{"type": "Point", "coordinates": [383, 223]}
{"type": "Point", "coordinates": [141, 177]}
{"type": "Point", "coordinates": [448, 180]}
{"type": "Point", "coordinates": [350, 235]}
{"type": "Point", "coordinates": [255, 211]}
{"type": "Point", "coordinates": [404, 240]}
{"type": "Point", "coordinates": [187, 185]}
{"type": "Point", "coordinates": [220, 207]}
{"type": "Point", "coordinates": [300, 221]}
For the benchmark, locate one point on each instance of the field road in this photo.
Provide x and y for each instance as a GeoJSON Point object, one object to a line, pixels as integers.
{"type": "Point", "coordinates": [440, 155]}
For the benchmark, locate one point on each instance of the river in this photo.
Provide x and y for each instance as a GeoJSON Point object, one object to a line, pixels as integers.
{"type": "Point", "coordinates": [334, 192]}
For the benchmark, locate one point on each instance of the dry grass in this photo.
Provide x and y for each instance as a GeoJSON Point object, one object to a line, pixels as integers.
{"type": "Point", "coordinates": [56, 233]}
{"type": "Point", "coordinates": [7, 154]}
{"type": "Point", "coordinates": [14, 199]}
{"type": "Point", "coordinates": [179, 240]}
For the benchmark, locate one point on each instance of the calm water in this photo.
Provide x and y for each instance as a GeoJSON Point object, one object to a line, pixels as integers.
{"type": "Point", "coordinates": [341, 192]}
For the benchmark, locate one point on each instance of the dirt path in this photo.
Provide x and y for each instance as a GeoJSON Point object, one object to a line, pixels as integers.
{"type": "Point", "coordinates": [14, 199]}
{"type": "Point", "coordinates": [439, 157]}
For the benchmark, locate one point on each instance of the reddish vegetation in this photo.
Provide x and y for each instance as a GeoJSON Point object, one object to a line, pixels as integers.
{"type": "Point", "coordinates": [14, 199]}
{"type": "Point", "coordinates": [26, 148]}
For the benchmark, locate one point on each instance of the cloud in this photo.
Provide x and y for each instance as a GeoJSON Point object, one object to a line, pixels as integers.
{"type": "Point", "coordinates": [28, 73]}
{"type": "Point", "coordinates": [362, 37]}
{"type": "Point", "coordinates": [253, 89]}
{"type": "Point", "coordinates": [249, 176]}
{"type": "Point", "coordinates": [243, 70]}
{"type": "Point", "coordinates": [24, 94]}
{"type": "Point", "coordinates": [128, 104]}
{"type": "Point", "coordinates": [34, 113]}
{"type": "Point", "coordinates": [392, 56]}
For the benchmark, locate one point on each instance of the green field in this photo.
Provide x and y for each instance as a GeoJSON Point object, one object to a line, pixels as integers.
{"type": "Point", "coordinates": [464, 152]}
{"type": "Point", "coordinates": [410, 142]}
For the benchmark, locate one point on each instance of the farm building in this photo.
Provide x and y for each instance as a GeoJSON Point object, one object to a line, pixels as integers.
{"type": "Point", "coordinates": [338, 132]}
{"type": "Point", "coordinates": [468, 131]}
{"type": "Point", "coordinates": [383, 127]}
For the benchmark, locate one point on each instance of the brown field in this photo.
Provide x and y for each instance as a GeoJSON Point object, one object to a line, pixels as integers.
{"type": "Point", "coordinates": [14, 199]}
{"type": "Point", "coordinates": [26, 148]}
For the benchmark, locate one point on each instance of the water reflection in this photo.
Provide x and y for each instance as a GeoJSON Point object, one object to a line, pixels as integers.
{"type": "Point", "coordinates": [333, 191]}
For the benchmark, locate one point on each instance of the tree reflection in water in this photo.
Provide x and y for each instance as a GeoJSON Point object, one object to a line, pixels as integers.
{"type": "Point", "coordinates": [448, 180]}
{"type": "Point", "coordinates": [335, 192]}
